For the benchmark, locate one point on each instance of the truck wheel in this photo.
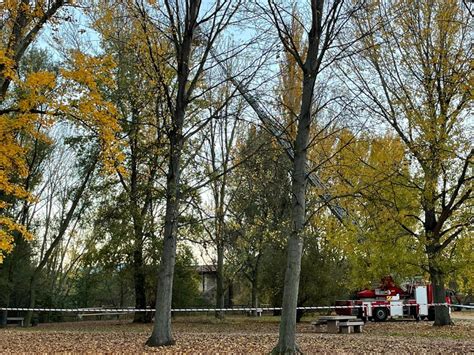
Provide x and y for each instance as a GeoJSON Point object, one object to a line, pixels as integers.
{"type": "Point", "coordinates": [380, 314]}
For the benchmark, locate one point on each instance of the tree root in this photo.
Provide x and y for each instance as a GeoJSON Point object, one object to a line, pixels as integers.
{"type": "Point", "coordinates": [287, 351]}
{"type": "Point", "coordinates": [152, 342]}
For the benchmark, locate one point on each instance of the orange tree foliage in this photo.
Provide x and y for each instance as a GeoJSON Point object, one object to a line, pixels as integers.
{"type": "Point", "coordinates": [75, 93]}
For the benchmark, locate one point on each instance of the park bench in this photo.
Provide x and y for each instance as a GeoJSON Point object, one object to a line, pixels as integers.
{"type": "Point", "coordinates": [349, 327]}
{"type": "Point", "coordinates": [339, 324]}
{"type": "Point", "coordinates": [20, 320]}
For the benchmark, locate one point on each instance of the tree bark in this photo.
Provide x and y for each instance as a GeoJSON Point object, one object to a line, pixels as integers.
{"type": "Point", "coordinates": [287, 339]}
{"type": "Point", "coordinates": [433, 243]}
{"type": "Point", "coordinates": [442, 316]}
{"type": "Point", "coordinates": [220, 290]}
{"type": "Point", "coordinates": [161, 335]}
{"type": "Point", "coordinates": [32, 297]}
{"type": "Point", "coordinates": [310, 64]}
{"type": "Point", "coordinates": [255, 296]}
{"type": "Point", "coordinates": [139, 276]}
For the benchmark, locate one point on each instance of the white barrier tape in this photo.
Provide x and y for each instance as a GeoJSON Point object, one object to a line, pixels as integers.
{"type": "Point", "coordinates": [462, 306]}
{"type": "Point", "coordinates": [246, 309]}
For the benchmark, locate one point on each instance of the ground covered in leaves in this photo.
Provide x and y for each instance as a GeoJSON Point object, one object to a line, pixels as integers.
{"type": "Point", "coordinates": [205, 335]}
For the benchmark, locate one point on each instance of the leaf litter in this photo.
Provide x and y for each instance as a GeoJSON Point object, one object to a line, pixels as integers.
{"type": "Point", "coordinates": [235, 336]}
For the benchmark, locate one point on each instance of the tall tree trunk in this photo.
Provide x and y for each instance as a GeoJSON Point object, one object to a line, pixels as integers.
{"type": "Point", "coordinates": [183, 26]}
{"type": "Point", "coordinates": [139, 277]}
{"type": "Point", "coordinates": [32, 297]}
{"type": "Point", "coordinates": [6, 303]}
{"type": "Point", "coordinates": [287, 338]}
{"type": "Point", "coordinates": [161, 335]}
{"type": "Point", "coordinates": [433, 247]}
{"type": "Point", "coordinates": [254, 281]}
{"type": "Point", "coordinates": [442, 316]}
{"type": "Point", "coordinates": [219, 201]}
{"type": "Point", "coordinates": [138, 267]}
{"type": "Point", "coordinates": [254, 295]}
{"type": "Point", "coordinates": [220, 289]}
{"type": "Point", "coordinates": [138, 216]}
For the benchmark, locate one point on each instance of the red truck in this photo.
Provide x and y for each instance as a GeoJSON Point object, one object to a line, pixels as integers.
{"type": "Point", "coordinates": [390, 300]}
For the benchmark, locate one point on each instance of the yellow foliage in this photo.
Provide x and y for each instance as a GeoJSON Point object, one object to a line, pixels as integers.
{"type": "Point", "coordinates": [7, 65]}
{"type": "Point", "coordinates": [371, 173]}
{"type": "Point", "coordinates": [7, 228]}
{"type": "Point", "coordinates": [45, 98]}
{"type": "Point", "coordinates": [86, 103]}
{"type": "Point", "coordinates": [291, 88]}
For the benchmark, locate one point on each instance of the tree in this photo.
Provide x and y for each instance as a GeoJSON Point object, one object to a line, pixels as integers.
{"type": "Point", "coordinates": [21, 23]}
{"type": "Point", "coordinates": [64, 224]}
{"type": "Point", "coordinates": [31, 109]}
{"type": "Point", "coordinates": [192, 33]}
{"type": "Point", "coordinates": [142, 124]}
{"type": "Point", "coordinates": [415, 73]}
{"type": "Point", "coordinates": [323, 30]}
{"type": "Point", "coordinates": [40, 104]}
{"type": "Point", "coordinates": [17, 265]}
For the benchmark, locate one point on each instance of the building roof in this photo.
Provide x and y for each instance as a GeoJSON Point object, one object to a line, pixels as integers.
{"type": "Point", "coordinates": [202, 269]}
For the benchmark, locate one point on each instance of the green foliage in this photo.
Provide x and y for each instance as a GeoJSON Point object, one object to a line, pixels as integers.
{"type": "Point", "coordinates": [15, 273]}
{"type": "Point", "coordinates": [112, 285]}
{"type": "Point", "coordinates": [99, 286]}
{"type": "Point", "coordinates": [325, 275]}
{"type": "Point", "coordinates": [260, 203]}
{"type": "Point", "coordinates": [186, 281]}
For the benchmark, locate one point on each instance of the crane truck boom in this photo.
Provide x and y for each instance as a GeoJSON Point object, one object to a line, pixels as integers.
{"type": "Point", "coordinates": [326, 197]}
